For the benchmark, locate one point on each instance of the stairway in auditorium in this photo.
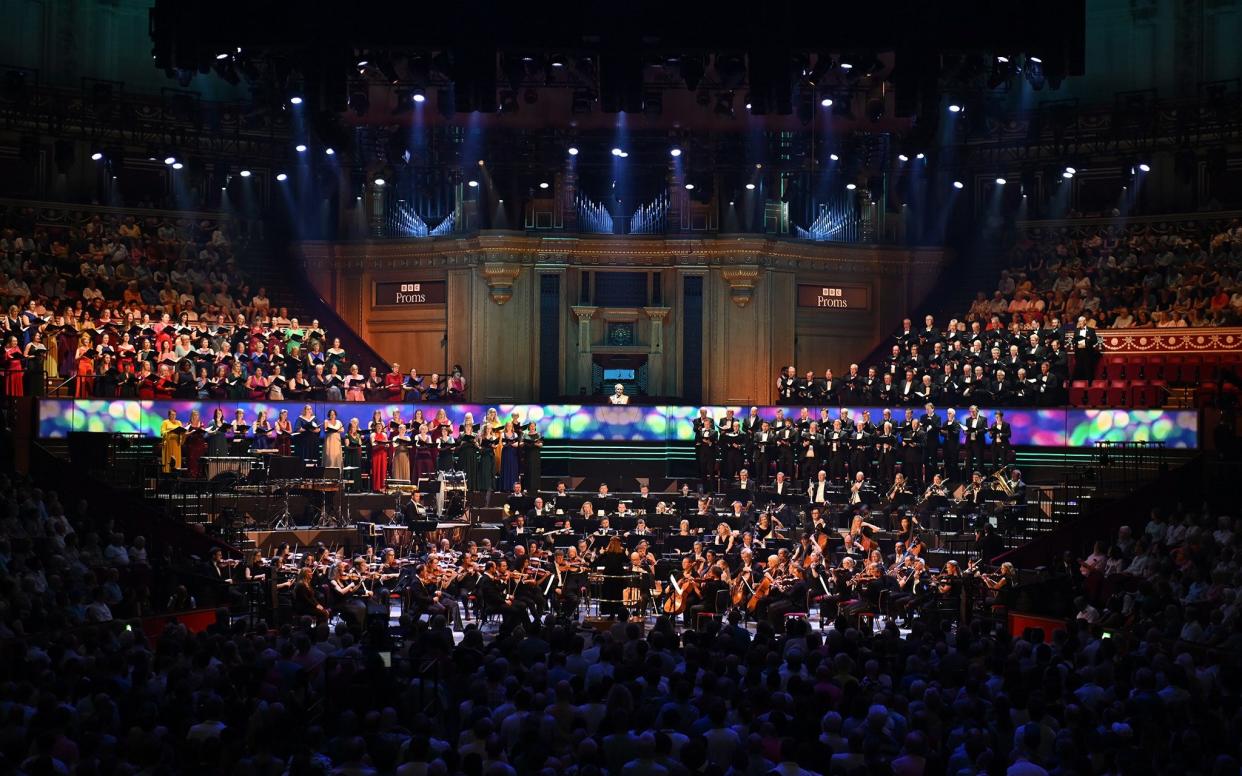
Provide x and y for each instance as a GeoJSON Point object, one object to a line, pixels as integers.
{"type": "Point", "coordinates": [950, 297]}
{"type": "Point", "coordinates": [287, 286]}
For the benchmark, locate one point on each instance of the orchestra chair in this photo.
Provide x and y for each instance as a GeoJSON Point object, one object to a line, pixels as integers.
{"type": "Point", "coordinates": [1078, 393]}
{"type": "Point", "coordinates": [720, 605]}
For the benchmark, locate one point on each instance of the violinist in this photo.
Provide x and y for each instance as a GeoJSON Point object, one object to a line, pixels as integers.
{"type": "Point", "coordinates": [525, 575]}
{"type": "Point", "coordinates": [563, 584]}
{"type": "Point", "coordinates": [305, 604]}
{"type": "Point", "coordinates": [1001, 587]}
{"type": "Point", "coordinates": [428, 596]}
{"type": "Point", "coordinates": [950, 579]}
{"type": "Point", "coordinates": [495, 598]}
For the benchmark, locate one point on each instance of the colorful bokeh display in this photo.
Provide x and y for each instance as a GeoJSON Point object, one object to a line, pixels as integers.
{"type": "Point", "coordinates": [664, 423]}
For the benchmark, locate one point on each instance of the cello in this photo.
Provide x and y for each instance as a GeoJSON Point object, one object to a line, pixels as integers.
{"type": "Point", "coordinates": [761, 592]}
{"type": "Point", "coordinates": [679, 594]}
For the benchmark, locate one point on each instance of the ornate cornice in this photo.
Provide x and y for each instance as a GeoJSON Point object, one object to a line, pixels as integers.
{"type": "Point", "coordinates": [621, 251]}
{"type": "Point", "coordinates": [584, 313]}
{"type": "Point", "coordinates": [657, 314]}
{"type": "Point", "coordinates": [741, 280]}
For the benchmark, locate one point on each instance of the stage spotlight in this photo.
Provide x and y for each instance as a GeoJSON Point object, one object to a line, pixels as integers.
{"type": "Point", "coordinates": [330, 151]}
{"type": "Point", "coordinates": [95, 157]}
{"type": "Point", "coordinates": [625, 154]}
{"type": "Point", "coordinates": [380, 181]}
{"type": "Point", "coordinates": [1067, 175]}
{"type": "Point", "coordinates": [573, 150]}
{"type": "Point", "coordinates": [280, 176]}
{"type": "Point", "coordinates": [617, 152]}
{"type": "Point", "coordinates": [847, 66]}
{"type": "Point", "coordinates": [1001, 181]}
{"type": "Point", "coordinates": [1145, 167]}
{"type": "Point", "coordinates": [834, 157]}
{"type": "Point", "coordinates": [543, 184]}
{"type": "Point", "coordinates": [363, 63]}
{"type": "Point", "coordinates": [750, 187]}
{"type": "Point", "coordinates": [674, 151]}
{"type": "Point", "coordinates": [850, 186]}
{"type": "Point", "coordinates": [920, 156]}
{"type": "Point", "coordinates": [472, 184]}
{"type": "Point", "coordinates": [1071, 170]}
{"type": "Point", "coordinates": [225, 55]}
{"type": "Point", "coordinates": [1036, 60]}
{"type": "Point", "coordinates": [955, 108]}
{"type": "Point", "coordinates": [958, 185]}
{"type": "Point", "coordinates": [169, 159]}
{"type": "Point", "coordinates": [689, 187]}
{"type": "Point", "coordinates": [748, 106]}
{"type": "Point", "coordinates": [418, 96]}
{"type": "Point", "coordinates": [557, 60]}
{"type": "Point", "coordinates": [177, 165]}
{"type": "Point", "coordinates": [245, 173]}
{"type": "Point", "coordinates": [295, 100]}
{"type": "Point", "coordinates": [300, 148]}
{"type": "Point", "coordinates": [902, 158]}
{"type": "Point", "coordinates": [826, 102]}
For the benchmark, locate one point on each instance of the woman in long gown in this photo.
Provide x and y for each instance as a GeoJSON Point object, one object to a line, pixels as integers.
{"type": "Point", "coordinates": [262, 431]}
{"type": "Point", "coordinates": [307, 428]}
{"type": "Point", "coordinates": [15, 366]}
{"type": "Point", "coordinates": [532, 448]}
{"type": "Point", "coordinates": [424, 453]}
{"type": "Point", "coordinates": [351, 446]}
{"type": "Point", "coordinates": [510, 464]}
{"type": "Point", "coordinates": [492, 419]}
{"type": "Point", "coordinates": [284, 429]}
{"type": "Point", "coordinates": [195, 445]}
{"type": "Point", "coordinates": [487, 446]}
{"type": "Point", "coordinates": [379, 460]}
{"type": "Point", "coordinates": [170, 433]}
{"type": "Point", "coordinates": [468, 452]}
{"type": "Point", "coordinates": [332, 428]}
{"type": "Point", "coordinates": [85, 359]}
{"type": "Point", "coordinates": [217, 435]}
{"type": "Point", "coordinates": [400, 469]}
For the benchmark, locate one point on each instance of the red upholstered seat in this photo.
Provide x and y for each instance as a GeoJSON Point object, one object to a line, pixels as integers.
{"type": "Point", "coordinates": [1118, 394]}
{"type": "Point", "coordinates": [1097, 393]}
{"type": "Point", "coordinates": [1078, 393]}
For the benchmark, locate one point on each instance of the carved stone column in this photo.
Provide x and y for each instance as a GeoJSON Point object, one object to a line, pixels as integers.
{"type": "Point", "coordinates": [500, 277]}
{"type": "Point", "coordinates": [741, 279]}
{"type": "Point", "coordinates": [655, 353]}
{"type": "Point", "coordinates": [585, 314]}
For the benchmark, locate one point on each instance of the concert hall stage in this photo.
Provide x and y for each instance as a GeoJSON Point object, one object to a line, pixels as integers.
{"type": "Point", "coordinates": [659, 424]}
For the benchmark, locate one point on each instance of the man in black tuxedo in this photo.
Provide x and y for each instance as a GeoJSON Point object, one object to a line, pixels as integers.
{"type": "Point", "coordinates": [930, 422]}
{"type": "Point", "coordinates": [787, 386]}
{"type": "Point", "coordinates": [951, 433]}
{"type": "Point", "coordinates": [998, 388]}
{"type": "Point", "coordinates": [1086, 350]}
{"type": "Point", "coordinates": [830, 389]}
{"type": "Point", "coordinates": [976, 431]}
{"type": "Point", "coordinates": [1001, 432]}
{"type": "Point", "coordinates": [763, 444]}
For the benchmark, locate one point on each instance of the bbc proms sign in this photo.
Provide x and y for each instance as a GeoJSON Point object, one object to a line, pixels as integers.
{"type": "Point", "coordinates": [835, 297]}
{"type": "Point", "coordinates": [415, 293]}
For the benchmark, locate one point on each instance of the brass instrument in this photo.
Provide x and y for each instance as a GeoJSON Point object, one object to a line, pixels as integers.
{"type": "Point", "coordinates": [1002, 484]}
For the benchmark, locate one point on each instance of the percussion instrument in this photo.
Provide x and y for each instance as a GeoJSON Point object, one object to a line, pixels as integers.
{"type": "Point", "coordinates": [219, 464]}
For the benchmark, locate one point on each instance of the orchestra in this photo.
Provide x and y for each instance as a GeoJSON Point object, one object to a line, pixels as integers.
{"type": "Point", "coordinates": [853, 539]}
